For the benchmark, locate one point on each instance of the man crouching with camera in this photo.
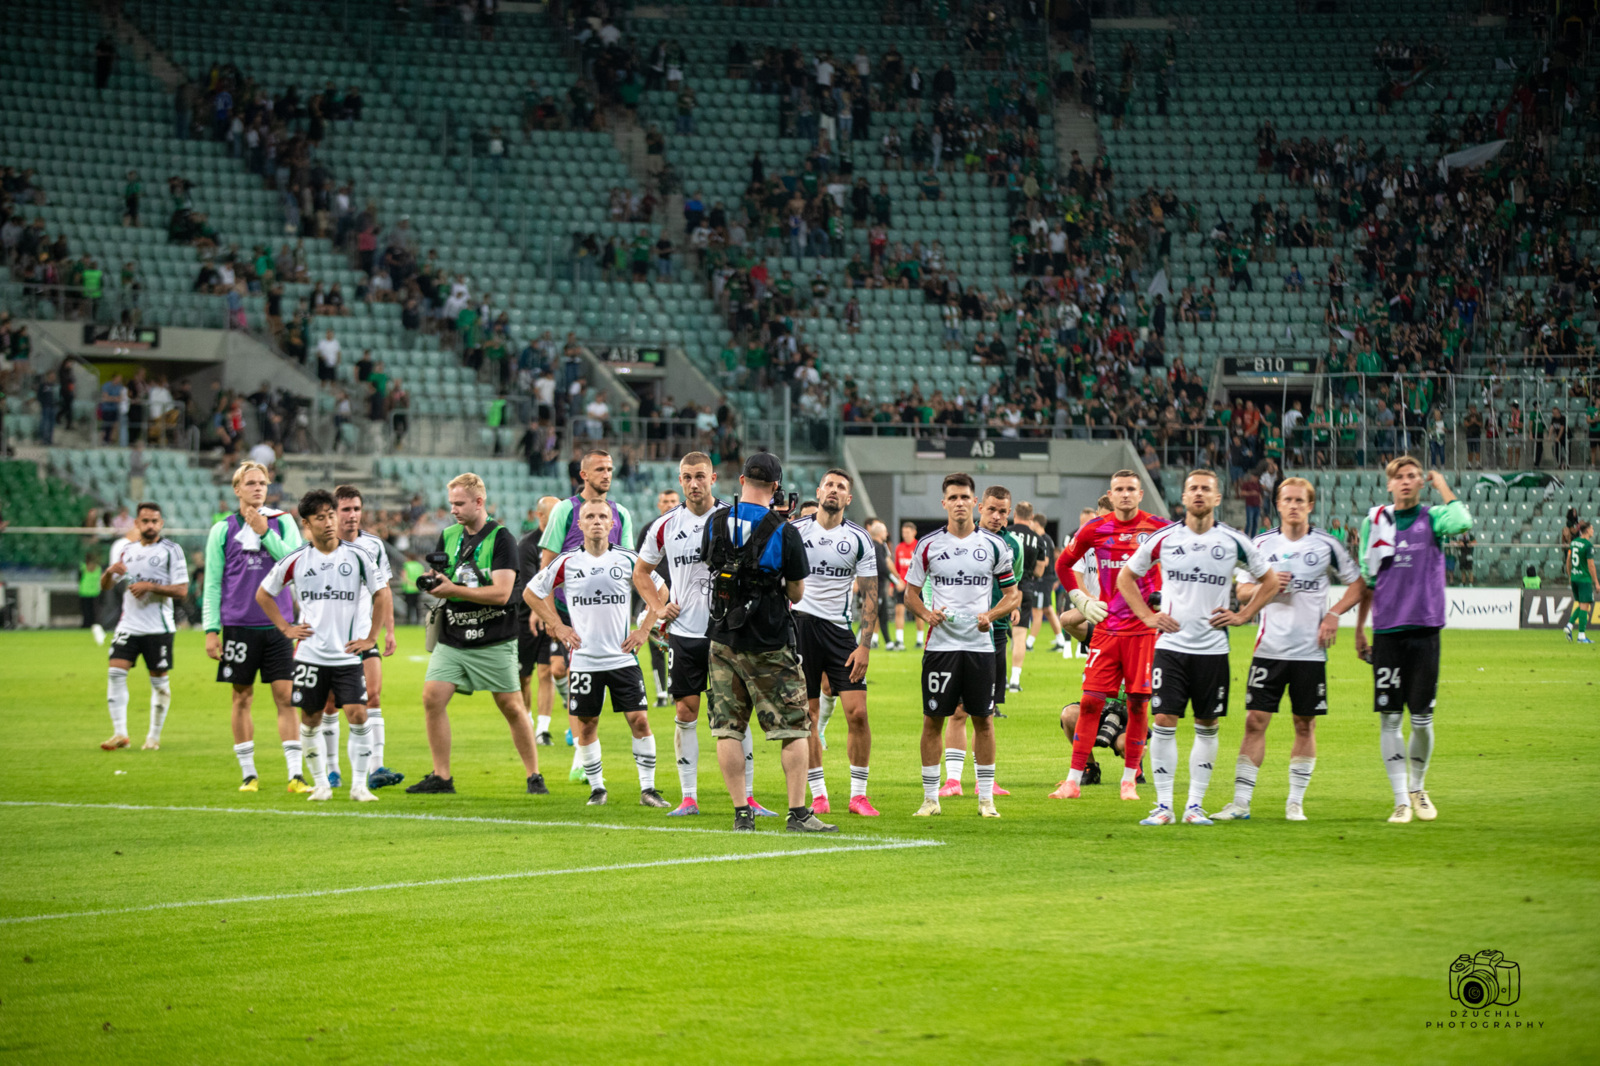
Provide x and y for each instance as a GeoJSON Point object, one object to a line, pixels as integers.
{"type": "Point", "coordinates": [473, 570]}
{"type": "Point", "coordinates": [758, 567]}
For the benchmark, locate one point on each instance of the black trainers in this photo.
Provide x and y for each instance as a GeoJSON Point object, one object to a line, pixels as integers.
{"type": "Point", "coordinates": [744, 820]}
{"type": "Point", "coordinates": [543, 740]}
{"type": "Point", "coordinates": [810, 823]}
{"type": "Point", "coordinates": [597, 798]}
{"type": "Point", "coordinates": [433, 783]}
{"type": "Point", "coordinates": [649, 797]}
{"type": "Point", "coordinates": [536, 786]}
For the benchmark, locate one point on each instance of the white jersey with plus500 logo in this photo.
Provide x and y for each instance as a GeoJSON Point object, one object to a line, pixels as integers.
{"type": "Point", "coordinates": [962, 572]}
{"type": "Point", "coordinates": [598, 587]}
{"type": "Point", "coordinates": [675, 537]}
{"type": "Point", "coordinates": [330, 590]}
{"type": "Point", "coordinates": [371, 545]}
{"type": "Point", "coordinates": [1196, 579]}
{"type": "Point", "coordinates": [837, 557]}
{"type": "Point", "coordinates": [162, 563]}
{"type": "Point", "coordinates": [1291, 619]}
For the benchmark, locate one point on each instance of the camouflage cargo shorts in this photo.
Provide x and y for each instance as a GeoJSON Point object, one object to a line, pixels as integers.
{"type": "Point", "coordinates": [768, 683]}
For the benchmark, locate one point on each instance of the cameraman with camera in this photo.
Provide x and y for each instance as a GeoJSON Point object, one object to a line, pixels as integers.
{"type": "Point", "coordinates": [758, 566]}
{"type": "Point", "coordinates": [474, 569]}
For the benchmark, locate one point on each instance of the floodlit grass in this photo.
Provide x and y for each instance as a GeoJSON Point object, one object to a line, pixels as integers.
{"type": "Point", "coordinates": [535, 929]}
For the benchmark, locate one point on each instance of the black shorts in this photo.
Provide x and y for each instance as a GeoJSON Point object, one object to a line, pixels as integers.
{"type": "Point", "coordinates": [1306, 681]}
{"type": "Point", "coordinates": [1179, 678]}
{"type": "Point", "coordinates": [586, 691]}
{"type": "Point", "coordinates": [1405, 670]}
{"type": "Point", "coordinates": [248, 651]}
{"type": "Point", "coordinates": [528, 649]}
{"type": "Point", "coordinates": [314, 683]}
{"type": "Point", "coordinates": [370, 653]}
{"type": "Point", "coordinates": [824, 649]}
{"type": "Point", "coordinates": [155, 647]}
{"type": "Point", "coordinates": [957, 678]}
{"type": "Point", "coordinates": [688, 665]}
{"type": "Point", "coordinates": [1002, 663]}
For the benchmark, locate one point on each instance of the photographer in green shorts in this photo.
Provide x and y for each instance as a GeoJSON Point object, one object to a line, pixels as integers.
{"type": "Point", "coordinates": [474, 570]}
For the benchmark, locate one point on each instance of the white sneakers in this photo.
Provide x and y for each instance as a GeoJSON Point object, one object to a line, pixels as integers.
{"type": "Point", "coordinates": [320, 794]}
{"type": "Point", "coordinates": [1294, 812]}
{"type": "Point", "coordinates": [362, 794]}
{"type": "Point", "coordinates": [1422, 806]}
{"type": "Point", "coordinates": [1401, 815]}
{"type": "Point", "coordinates": [1232, 813]}
{"type": "Point", "coordinates": [929, 808]}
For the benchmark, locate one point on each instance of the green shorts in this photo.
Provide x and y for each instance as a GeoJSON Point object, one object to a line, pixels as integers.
{"type": "Point", "coordinates": [492, 668]}
{"type": "Point", "coordinates": [1582, 592]}
{"type": "Point", "coordinates": [767, 683]}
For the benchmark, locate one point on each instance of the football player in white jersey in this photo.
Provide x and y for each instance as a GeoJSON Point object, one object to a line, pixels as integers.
{"type": "Point", "coordinates": [597, 578]}
{"type": "Point", "coordinates": [331, 581]}
{"type": "Point", "coordinates": [151, 572]}
{"type": "Point", "coordinates": [350, 509]}
{"type": "Point", "coordinates": [1197, 557]}
{"type": "Point", "coordinates": [1297, 629]}
{"type": "Point", "coordinates": [963, 563]}
{"type": "Point", "coordinates": [840, 553]}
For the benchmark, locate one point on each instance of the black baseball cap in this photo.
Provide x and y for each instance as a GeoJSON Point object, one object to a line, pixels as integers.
{"type": "Point", "coordinates": [763, 466]}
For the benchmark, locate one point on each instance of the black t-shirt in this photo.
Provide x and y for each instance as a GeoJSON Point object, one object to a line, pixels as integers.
{"type": "Point", "coordinates": [528, 566]}
{"type": "Point", "coordinates": [1032, 549]}
{"type": "Point", "coordinates": [769, 627]}
{"type": "Point", "coordinates": [477, 625]}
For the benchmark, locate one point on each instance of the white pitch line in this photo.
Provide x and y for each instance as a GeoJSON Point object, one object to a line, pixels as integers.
{"type": "Point", "coordinates": [476, 879]}
{"type": "Point", "coordinates": [469, 819]}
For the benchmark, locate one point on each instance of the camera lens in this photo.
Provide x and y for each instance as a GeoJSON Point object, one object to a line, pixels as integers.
{"type": "Point", "coordinates": [1473, 994]}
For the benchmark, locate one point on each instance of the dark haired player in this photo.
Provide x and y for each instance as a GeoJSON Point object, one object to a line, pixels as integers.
{"type": "Point", "coordinates": [153, 573]}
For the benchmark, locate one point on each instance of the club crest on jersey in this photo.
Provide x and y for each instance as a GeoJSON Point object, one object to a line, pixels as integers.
{"type": "Point", "coordinates": [979, 554]}
{"type": "Point", "coordinates": [1142, 537]}
{"type": "Point", "coordinates": [843, 547]}
{"type": "Point", "coordinates": [1312, 558]}
{"type": "Point", "coordinates": [1219, 553]}
{"type": "Point", "coordinates": [617, 573]}
{"type": "Point", "coordinates": [344, 569]}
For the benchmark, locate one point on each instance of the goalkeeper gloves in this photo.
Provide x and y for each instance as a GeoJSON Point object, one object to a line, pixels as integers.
{"type": "Point", "coordinates": [1093, 610]}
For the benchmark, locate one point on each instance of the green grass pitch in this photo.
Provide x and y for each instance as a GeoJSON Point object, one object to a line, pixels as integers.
{"type": "Point", "coordinates": [540, 930]}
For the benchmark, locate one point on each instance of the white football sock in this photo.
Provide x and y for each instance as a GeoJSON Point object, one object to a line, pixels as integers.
{"type": "Point", "coordinates": [316, 762]}
{"type": "Point", "coordinates": [330, 740]}
{"type": "Point", "coordinates": [541, 724]}
{"type": "Point", "coordinates": [1016, 675]}
{"type": "Point", "coordinates": [590, 754]}
{"type": "Point", "coordinates": [749, 761]}
{"type": "Point", "coordinates": [825, 706]}
{"type": "Point", "coordinates": [294, 756]}
{"type": "Point", "coordinates": [1202, 757]}
{"type": "Point", "coordinates": [644, 757]}
{"type": "Point", "coordinates": [900, 635]}
{"type": "Point", "coordinates": [930, 782]}
{"type": "Point", "coordinates": [1419, 750]}
{"type": "Point", "coordinates": [1244, 780]}
{"type": "Point", "coordinates": [919, 638]}
{"type": "Point", "coordinates": [246, 754]}
{"type": "Point", "coordinates": [955, 760]}
{"type": "Point", "coordinates": [818, 782]}
{"type": "Point", "coordinates": [1300, 767]}
{"type": "Point", "coordinates": [577, 756]}
{"type": "Point", "coordinates": [375, 720]}
{"type": "Point", "coordinates": [1392, 746]}
{"type": "Point", "coordinates": [858, 781]}
{"type": "Point", "coordinates": [360, 753]}
{"type": "Point", "coordinates": [686, 739]}
{"type": "Point", "coordinates": [985, 776]}
{"type": "Point", "coordinates": [117, 700]}
{"type": "Point", "coordinates": [1031, 640]}
{"type": "Point", "coordinates": [1164, 761]}
{"type": "Point", "coordinates": [1130, 775]}
{"type": "Point", "coordinates": [160, 703]}
{"type": "Point", "coordinates": [562, 694]}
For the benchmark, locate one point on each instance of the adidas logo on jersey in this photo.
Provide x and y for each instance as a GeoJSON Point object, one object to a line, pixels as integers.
{"type": "Point", "coordinates": [681, 535]}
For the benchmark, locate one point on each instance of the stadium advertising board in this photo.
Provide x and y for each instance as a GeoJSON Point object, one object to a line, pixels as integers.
{"type": "Point", "coordinates": [1547, 608]}
{"type": "Point", "coordinates": [1467, 608]}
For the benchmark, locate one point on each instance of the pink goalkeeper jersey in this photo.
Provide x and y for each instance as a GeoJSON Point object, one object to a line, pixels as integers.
{"type": "Point", "coordinates": [1112, 543]}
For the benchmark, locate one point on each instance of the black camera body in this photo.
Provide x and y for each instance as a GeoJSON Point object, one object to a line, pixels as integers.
{"type": "Point", "coordinates": [437, 560]}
